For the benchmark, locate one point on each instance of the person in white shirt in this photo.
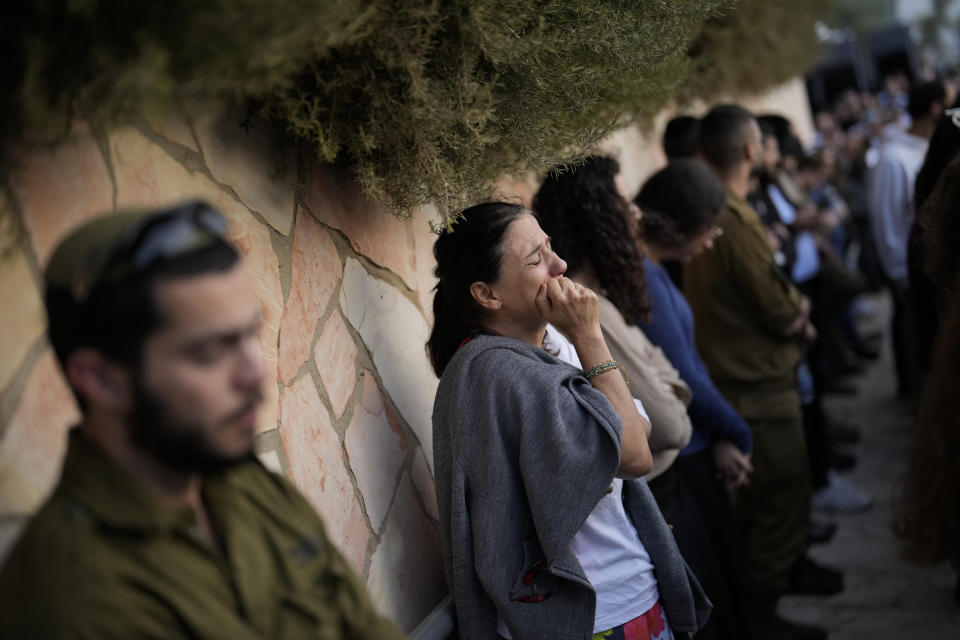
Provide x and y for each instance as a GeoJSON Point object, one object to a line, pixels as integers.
{"type": "Point", "coordinates": [900, 156]}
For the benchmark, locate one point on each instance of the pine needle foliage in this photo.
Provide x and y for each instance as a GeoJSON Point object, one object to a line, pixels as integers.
{"type": "Point", "coordinates": [443, 98]}
{"type": "Point", "coordinates": [424, 100]}
{"type": "Point", "coordinates": [757, 45]}
{"type": "Point", "coordinates": [105, 59]}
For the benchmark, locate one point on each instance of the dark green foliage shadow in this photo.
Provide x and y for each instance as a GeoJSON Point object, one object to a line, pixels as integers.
{"type": "Point", "coordinates": [424, 101]}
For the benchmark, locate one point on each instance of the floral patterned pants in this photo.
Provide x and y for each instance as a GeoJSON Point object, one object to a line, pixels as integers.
{"type": "Point", "coordinates": [650, 626]}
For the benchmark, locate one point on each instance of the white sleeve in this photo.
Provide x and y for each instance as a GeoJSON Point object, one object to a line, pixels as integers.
{"type": "Point", "coordinates": [889, 200]}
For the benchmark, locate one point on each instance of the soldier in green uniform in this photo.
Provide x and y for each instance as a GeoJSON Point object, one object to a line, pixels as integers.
{"type": "Point", "coordinates": [750, 323]}
{"type": "Point", "coordinates": [163, 523]}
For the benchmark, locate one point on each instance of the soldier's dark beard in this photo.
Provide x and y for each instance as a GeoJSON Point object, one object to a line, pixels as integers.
{"type": "Point", "coordinates": [184, 446]}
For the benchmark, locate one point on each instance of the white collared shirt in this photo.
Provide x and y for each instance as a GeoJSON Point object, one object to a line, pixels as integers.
{"type": "Point", "coordinates": [901, 155]}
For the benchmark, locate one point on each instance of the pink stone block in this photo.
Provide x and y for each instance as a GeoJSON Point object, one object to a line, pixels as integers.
{"type": "Point", "coordinates": [24, 318]}
{"type": "Point", "coordinates": [246, 159]}
{"type": "Point", "coordinates": [34, 443]}
{"type": "Point", "coordinates": [316, 272]}
{"type": "Point", "coordinates": [59, 188]}
{"type": "Point", "coordinates": [425, 263]}
{"type": "Point", "coordinates": [406, 571]}
{"type": "Point", "coordinates": [423, 480]}
{"type": "Point", "coordinates": [394, 332]}
{"type": "Point", "coordinates": [172, 124]}
{"type": "Point", "coordinates": [253, 240]}
{"type": "Point", "coordinates": [335, 198]}
{"type": "Point", "coordinates": [147, 176]}
{"type": "Point", "coordinates": [318, 469]}
{"type": "Point", "coordinates": [335, 355]}
{"type": "Point", "coordinates": [377, 447]}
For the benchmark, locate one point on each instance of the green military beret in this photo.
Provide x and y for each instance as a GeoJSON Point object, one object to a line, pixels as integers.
{"type": "Point", "coordinates": [80, 258]}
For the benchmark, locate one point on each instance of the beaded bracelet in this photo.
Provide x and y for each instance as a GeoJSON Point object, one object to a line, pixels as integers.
{"type": "Point", "coordinates": [603, 367]}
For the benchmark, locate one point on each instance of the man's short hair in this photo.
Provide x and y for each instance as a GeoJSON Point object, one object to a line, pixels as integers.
{"type": "Point", "coordinates": [680, 137]}
{"type": "Point", "coordinates": [925, 95]}
{"type": "Point", "coordinates": [723, 133]}
{"type": "Point", "coordinates": [98, 295]}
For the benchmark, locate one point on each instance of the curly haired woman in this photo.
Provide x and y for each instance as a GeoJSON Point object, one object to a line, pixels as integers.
{"type": "Point", "coordinates": [595, 226]}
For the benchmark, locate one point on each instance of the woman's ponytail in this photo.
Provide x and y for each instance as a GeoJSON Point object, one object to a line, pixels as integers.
{"type": "Point", "coordinates": [470, 253]}
{"type": "Point", "coordinates": [450, 329]}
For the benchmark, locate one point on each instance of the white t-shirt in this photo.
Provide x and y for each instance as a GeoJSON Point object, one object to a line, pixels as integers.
{"type": "Point", "coordinates": [615, 562]}
{"type": "Point", "coordinates": [607, 545]}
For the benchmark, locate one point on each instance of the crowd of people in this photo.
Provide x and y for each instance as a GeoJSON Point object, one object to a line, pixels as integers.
{"type": "Point", "coordinates": [896, 166]}
{"type": "Point", "coordinates": [629, 430]}
{"type": "Point", "coordinates": [726, 295]}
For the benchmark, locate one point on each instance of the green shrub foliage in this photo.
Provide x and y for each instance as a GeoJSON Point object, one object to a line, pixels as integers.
{"type": "Point", "coordinates": [442, 98]}
{"type": "Point", "coordinates": [105, 59]}
{"type": "Point", "coordinates": [760, 44]}
{"type": "Point", "coordinates": [425, 100]}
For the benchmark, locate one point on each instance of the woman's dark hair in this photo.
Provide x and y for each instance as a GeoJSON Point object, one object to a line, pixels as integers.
{"type": "Point", "coordinates": [588, 223]}
{"type": "Point", "coordinates": [679, 202]}
{"type": "Point", "coordinates": [938, 224]}
{"type": "Point", "coordinates": [928, 514]}
{"type": "Point", "coordinates": [923, 96]}
{"type": "Point", "coordinates": [680, 137]}
{"type": "Point", "coordinates": [944, 145]}
{"type": "Point", "coordinates": [471, 252]}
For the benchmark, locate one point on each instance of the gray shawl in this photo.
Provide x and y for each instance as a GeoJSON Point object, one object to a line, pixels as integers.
{"type": "Point", "coordinates": [524, 448]}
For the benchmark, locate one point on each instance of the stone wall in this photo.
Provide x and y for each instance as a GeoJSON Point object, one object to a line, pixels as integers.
{"type": "Point", "coordinates": [346, 294]}
{"type": "Point", "coordinates": [344, 289]}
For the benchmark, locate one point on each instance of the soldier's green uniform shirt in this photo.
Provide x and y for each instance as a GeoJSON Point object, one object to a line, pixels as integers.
{"type": "Point", "coordinates": [104, 559]}
{"type": "Point", "coordinates": [743, 303]}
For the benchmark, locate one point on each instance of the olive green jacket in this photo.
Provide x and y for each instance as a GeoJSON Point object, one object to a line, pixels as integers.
{"type": "Point", "coordinates": [103, 559]}
{"type": "Point", "coordinates": [743, 304]}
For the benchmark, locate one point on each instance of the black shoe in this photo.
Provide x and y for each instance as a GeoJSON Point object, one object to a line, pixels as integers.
{"type": "Point", "coordinates": [821, 531]}
{"type": "Point", "coordinates": [809, 578]}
